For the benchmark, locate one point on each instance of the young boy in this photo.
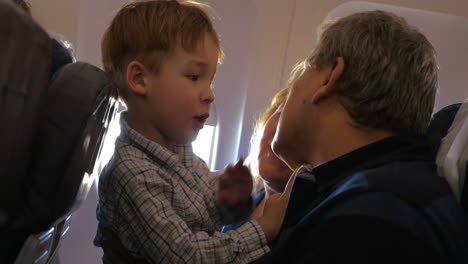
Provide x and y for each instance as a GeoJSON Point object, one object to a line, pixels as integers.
{"type": "Point", "coordinates": [155, 194]}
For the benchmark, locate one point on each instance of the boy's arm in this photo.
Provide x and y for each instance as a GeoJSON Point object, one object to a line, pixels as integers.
{"type": "Point", "coordinates": [231, 191]}
{"type": "Point", "coordinates": [238, 178]}
{"type": "Point", "coordinates": [233, 195]}
{"type": "Point", "coordinates": [165, 237]}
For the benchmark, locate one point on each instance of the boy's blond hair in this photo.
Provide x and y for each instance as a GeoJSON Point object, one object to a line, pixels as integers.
{"type": "Point", "coordinates": [149, 32]}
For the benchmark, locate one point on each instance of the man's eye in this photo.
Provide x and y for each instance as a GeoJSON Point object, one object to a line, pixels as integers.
{"type": "Point", "coordinates": [193, 77]}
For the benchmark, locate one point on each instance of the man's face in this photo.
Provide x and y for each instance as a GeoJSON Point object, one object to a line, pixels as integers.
{"type": "Point", "coordinates": [295, 128]}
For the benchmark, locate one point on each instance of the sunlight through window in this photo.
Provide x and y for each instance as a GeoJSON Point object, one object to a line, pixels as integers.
{"type": "Point", "coordinates": [203, 146]}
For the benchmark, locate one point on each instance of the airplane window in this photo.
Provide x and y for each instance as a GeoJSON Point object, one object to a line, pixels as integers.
{"type": "Point", "coordinates": [204, 145]}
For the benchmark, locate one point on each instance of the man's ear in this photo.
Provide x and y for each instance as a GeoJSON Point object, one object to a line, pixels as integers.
{"type": "Point", "coordinates": [135, 80]}
{"type": "Point", "coordinates": [331, 76]}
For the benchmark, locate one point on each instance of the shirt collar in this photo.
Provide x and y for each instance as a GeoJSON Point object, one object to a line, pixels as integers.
{"type": "Point", "coordinates": [369, 156]}
{"type": "Point", "coordinates": [183, 155]}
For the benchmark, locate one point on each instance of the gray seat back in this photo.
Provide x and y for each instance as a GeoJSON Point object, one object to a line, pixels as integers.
{"type": "Point", "coordinates": [51, 137]}
{"type": "Point", "coordinates": [80, 106]}
{"type": "Point", "coordinates": [449, 130]}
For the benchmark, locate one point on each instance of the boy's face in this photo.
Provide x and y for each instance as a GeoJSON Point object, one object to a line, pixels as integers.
{"type": "Point", "coordinates": [179, 95]}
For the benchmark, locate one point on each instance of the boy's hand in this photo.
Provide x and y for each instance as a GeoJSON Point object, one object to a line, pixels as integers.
{"type": "Point", "coordinates": [235, 185]}
{"type": "Point", "coordinates": [274, 211]}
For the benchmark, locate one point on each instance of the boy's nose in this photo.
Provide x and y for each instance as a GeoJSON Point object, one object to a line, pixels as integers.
{"type": "Point", "coordinates": [208, 96]}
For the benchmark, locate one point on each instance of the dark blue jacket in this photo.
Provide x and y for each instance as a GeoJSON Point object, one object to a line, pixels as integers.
{"type": "Point", "coordinates": [383, 203]}
{"type": "Point", "coordinates": [257, 198]}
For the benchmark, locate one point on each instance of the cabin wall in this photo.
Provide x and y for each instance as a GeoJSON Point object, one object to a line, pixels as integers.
{"type": "Point", "coordinates": [58, 17]}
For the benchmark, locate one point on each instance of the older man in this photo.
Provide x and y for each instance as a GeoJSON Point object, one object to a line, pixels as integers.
{"type": "Point", "coordinates": [369, 192]}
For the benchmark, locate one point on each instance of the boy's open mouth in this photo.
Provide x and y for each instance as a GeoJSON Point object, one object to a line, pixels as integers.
{"type": "Point", "coordinates": [202, 118]}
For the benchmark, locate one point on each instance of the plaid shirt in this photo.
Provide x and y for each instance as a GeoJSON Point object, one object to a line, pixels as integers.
{"type": "Point", "coordinates": [162, 206]}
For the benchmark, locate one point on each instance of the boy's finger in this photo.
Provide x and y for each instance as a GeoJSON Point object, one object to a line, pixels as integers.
{"type": "Point", "coordinates": [231, 168]}
{"type": "Point", "coordinates": [246, 171]}
{"type": "Point", "coordinates": [240, 162]}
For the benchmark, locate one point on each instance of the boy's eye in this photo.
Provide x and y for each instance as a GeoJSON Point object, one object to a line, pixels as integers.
{"type": "Point", "coordinates": [193, 77]}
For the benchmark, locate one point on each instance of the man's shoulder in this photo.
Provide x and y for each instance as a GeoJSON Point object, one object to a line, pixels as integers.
{"type": "Point", "coordinates": [415, 181]}
{"type": "Point", "coordinates": [385, 192]}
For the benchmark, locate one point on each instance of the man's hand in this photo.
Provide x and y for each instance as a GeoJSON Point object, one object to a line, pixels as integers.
{"type": "Point", "coordinates": [235, 185]}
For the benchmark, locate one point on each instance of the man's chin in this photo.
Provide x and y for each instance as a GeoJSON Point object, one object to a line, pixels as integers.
{"type": "Point", "coordinates": [278, 147]}
{"type": "Point", "coordinates": [286, 156]}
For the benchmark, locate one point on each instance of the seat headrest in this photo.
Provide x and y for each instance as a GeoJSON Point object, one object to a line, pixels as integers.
{"type": "Point", "coordinates": [60, 56]}
{"type": "Point", "coordinates": [441, 122]}
{"type": "Point", "coordinates": [450, 125]}
{"type": "Point", "coordinates": [73, 122]}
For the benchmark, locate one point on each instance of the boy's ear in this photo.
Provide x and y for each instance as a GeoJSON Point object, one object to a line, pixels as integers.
{"type": "Point", "coordinates": [331, 74]}
{"type": "Point", "coordinates": [135, 78]}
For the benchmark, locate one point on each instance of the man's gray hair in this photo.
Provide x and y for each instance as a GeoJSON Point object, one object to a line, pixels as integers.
{"type": "Point", "coordinates": [390, 76]}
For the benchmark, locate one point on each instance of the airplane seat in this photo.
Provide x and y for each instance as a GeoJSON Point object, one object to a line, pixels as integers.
{"type": "Point", "coordinates": [51, 138]}
{"type": "Point", "coordinates": [449, 132]}
{"type": "Point", "coordinates": [24, 75]}
{"type": "Point", "coordinates": [80, 105]}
